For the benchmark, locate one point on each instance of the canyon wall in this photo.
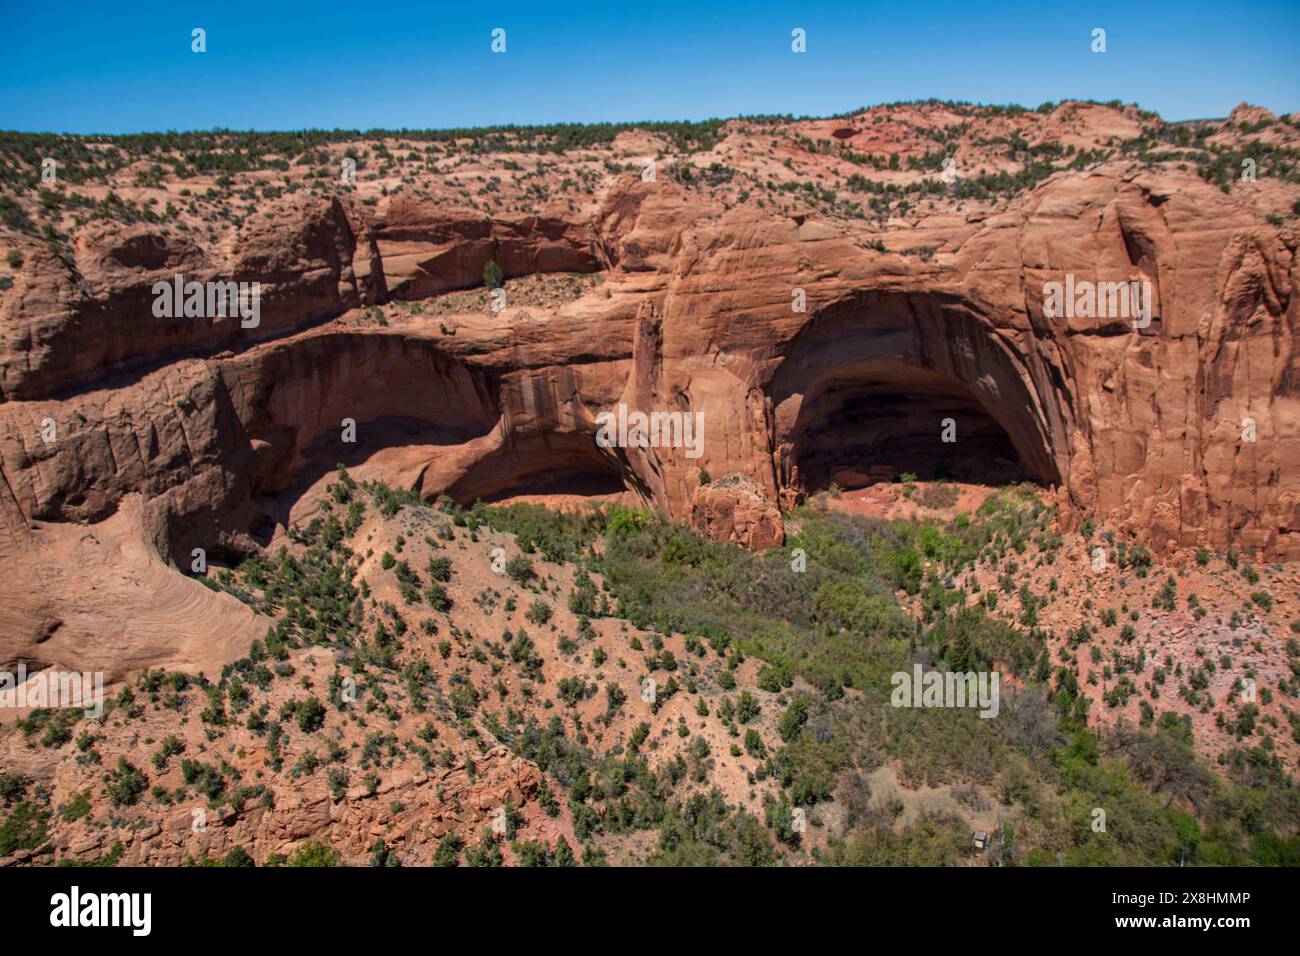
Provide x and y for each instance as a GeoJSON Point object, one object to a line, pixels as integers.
{"type": "Point", "coordinates": [195, 430]}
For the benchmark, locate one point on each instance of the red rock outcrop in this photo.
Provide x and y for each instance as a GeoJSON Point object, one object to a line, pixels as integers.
{"type": "Point", "coordinates": [809, 348]}
{"type": "Point", "coordinates": [735, 509]}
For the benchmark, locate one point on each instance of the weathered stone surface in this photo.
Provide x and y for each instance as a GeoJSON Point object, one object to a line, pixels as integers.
{"type": "Point", "coordinates": [165, 443]}
{"type": "Point", "coordinates": [734, 509]}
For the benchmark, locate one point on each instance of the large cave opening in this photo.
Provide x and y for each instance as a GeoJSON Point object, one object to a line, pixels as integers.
{"type": "Point", "coordinates": [886, 385]}
{"type": "Point", "coordinates": [880, 425]}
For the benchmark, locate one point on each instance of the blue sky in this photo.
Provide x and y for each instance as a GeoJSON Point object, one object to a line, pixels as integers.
{"type": "Point", "coordinates": [115, 67]}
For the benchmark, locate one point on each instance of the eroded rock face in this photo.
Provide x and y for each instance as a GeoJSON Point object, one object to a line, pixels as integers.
{"type": "Point", "coordinates": [735, 509]}
{"type": "Point", "coordinates": [1128, 421]}
{"type": "Point", "coordinates": [421, 250]}
{"type": "Point", "coordinates": [69, 324]}
{"type": "Point", "coordinates": [698, 313]}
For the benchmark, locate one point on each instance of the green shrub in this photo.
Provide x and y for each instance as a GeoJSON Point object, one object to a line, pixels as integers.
{"type": "Point", "coordinates": [314, 853]}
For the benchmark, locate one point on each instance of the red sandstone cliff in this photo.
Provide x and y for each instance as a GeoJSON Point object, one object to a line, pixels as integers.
{"type": "Point", "coordinates": [176, 434]}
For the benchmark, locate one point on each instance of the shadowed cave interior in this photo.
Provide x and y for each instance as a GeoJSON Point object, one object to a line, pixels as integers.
{"type": "Point", "coordinates": [864, 430]}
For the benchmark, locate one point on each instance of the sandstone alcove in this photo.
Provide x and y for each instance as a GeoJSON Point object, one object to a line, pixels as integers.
{"type": "Point", "coordinates": [870, 424]}
{"type": "Point", "coordinates": [546, 465]}
{"type": "Point", "coordinates": [872, 387]}
{"type": "Point", "coordinates": [389, 407]}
